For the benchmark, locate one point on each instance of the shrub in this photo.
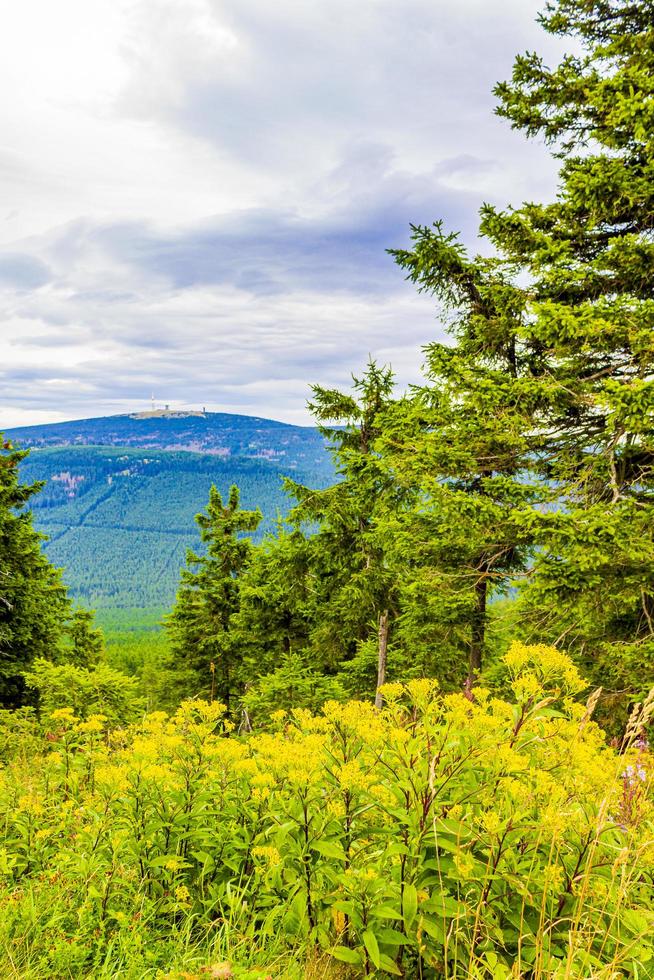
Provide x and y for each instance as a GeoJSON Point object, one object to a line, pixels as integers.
{"type": "Point", "coordinates": [458, 835]}
{"type": "Point", "coordinates": [99, 689]}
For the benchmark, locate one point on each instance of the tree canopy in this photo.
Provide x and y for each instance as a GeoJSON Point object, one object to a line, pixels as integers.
{"type": "Point", "coordinates": [33, 600]}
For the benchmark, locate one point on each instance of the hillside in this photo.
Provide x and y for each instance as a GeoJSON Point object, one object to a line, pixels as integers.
{"type": "Point", "coordinates": [121, 492]}
{"type": "Point", "coordinates": [216, 433]}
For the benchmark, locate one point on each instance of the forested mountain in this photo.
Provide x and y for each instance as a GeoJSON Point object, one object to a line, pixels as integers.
{"type": "Point", "coordinates": [216, 433]}
{"type": "Point", "coordinates": [119, 518]}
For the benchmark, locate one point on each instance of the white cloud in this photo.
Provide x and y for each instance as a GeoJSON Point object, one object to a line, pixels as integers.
{"type": "Point", "coordinates": [199, 193]}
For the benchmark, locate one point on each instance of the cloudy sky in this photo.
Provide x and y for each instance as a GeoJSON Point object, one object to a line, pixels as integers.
{"type": "Point", "coordinates": [196, 195]}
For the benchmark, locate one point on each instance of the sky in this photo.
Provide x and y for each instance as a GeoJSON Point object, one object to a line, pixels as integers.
{"type": "Point", "coordinates": [196, 196]}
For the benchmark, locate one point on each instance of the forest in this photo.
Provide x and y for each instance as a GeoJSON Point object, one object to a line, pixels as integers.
{"type": "Point", "coordinates": [405, 731]}
{"type": "Point", "coordinates": [119, 519]}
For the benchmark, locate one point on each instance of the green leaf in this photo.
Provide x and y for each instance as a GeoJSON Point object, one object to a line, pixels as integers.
{"type": "Point", "coordinates": [392, 937]}
{"type": "Point", "coordinates": [387, 964]}
{"type": "Point", "coordinates": [434, 928]}
{"type": "Point", "coordinates": [370, 942]}
{"type": "Point", "coordinates": [346, 955]}
{"type": "Point", "coordinates": [443, 905]}
{"type": "Point", "coordinates": [385, 912]}
{"type": "Point", "coordinates": [409, 904]}
{"type": "Point", "coordinates": [329, 849]}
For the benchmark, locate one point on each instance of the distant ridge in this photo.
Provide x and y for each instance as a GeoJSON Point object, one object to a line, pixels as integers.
{"type": "Point", "coordinates": [204, 432]}
{"type": "Point", "coordinates": [121, 491]}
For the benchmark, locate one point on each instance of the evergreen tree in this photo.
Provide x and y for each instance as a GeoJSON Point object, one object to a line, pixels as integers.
{"type": "Point", "coordinates": [84, 645]}
{"type": "Point", "coordinates": [465, 442]}
{"type": "Point", "coordinates": [33, 601]}
{"type": "Point", "coordinates": [588, 261]}
{"type": "Point", "coordinates": [200, 624]}
{"type": "Point", "coordinates": [356, 585]}
{"type": "Point", "coordinates": [549, 383]}
{"type": "Point", "coordinates": [277, 602]}
{"type": "Point", "coordinates": [323, 593]}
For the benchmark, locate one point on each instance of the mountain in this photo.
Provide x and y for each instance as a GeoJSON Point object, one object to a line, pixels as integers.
{"type": "Point", "coordinates": [121, 492]}
{"type": "Point", "coordinates": [216, 433]}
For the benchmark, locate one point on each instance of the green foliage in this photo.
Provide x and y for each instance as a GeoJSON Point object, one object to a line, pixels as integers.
{"type": "Point", "coordinates": [294, 684]}
{"type": "Point", "coordinates": [20, 734]}
{"type": "Point", "coordinates": [533, 440]}
{"type": "Point", "coordinates": [85, 690]}
{"type": "Point", "coordinates": [587, 336]}
{"type": "Point", "coordinates": [200, 625]}
{"type": "Point", "coordinates": [84, 642]}
{"type": "Point", "coordinates": [120, 519]}
{"type": "Point", "coordinates": [471, 837]}
{"type": "Point", "coordinates": [33, 601]}
{"type": "Point", "coordinates": [355, 586]}
{"type": "Point", "coordinates": [137, 645]}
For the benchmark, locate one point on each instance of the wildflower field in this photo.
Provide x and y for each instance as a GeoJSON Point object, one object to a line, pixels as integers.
{"type": "Point", "coordinates": [443, 836]}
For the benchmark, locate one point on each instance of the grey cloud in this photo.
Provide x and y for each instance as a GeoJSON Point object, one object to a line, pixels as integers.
{"type": "Point", "coordinates": [301, 80]}
{"type": "Point", "coordinates": [266, 251]}
{"type": "Point", "coordinates": [241, 299]}
{"type": "Point", "coordinates": [348, 122]}
{"type": "Point", "coordinates": [21, 271]}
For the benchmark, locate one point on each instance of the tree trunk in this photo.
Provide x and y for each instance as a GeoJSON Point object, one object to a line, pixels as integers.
{"type": "Point", "coordinates": [381, 659]}
{"type": "Point", "coordinates": [478, 630]}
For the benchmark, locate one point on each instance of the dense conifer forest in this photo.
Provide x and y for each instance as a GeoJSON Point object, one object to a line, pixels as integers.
{"type": "Point", "coordinates": [403, 730]}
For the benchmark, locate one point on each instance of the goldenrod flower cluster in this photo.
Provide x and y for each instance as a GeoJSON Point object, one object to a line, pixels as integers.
{"type": "Point", "coordinates": [448, 827]}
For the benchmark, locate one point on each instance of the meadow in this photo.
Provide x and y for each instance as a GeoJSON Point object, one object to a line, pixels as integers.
{"type": "Point", "coordinates": [447, 835]}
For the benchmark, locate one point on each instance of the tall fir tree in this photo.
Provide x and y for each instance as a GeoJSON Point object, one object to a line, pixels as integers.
{"type": "Point", "coordinates": [207, 659]}
{"type": "Point", "coordinates": [323, 592]}
{"type": "Point", "coordinates": [33, 601]}
{"type": "Point", "coordinates": [465, 441]}
{"type": "Point", "coordinates": [552, 351]}
{"type": "Point", "coordinates": [357, 586]}
{"type": "Point", "coordinates": [83, 642]}
{"type": "Point", "coordinates": [588, 258]}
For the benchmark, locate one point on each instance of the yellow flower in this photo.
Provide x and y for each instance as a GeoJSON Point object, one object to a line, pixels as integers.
{"type": "Point", "coordinates": [182, 894]}
{"type": "Point", "coordinates": [92, 726]}
{"type": "Point", "coordinates": [64, 714]}
{"type": "Point", "coordinates": [491, 822]}
{"type": "Point", "coordinates": [173, 864]}
{"type": "Point", "coordinates": [270, 855]}
{"type": "Point", "coordinates": [464, 864]}
{"type": "Point", "coordinates": [391, 692]}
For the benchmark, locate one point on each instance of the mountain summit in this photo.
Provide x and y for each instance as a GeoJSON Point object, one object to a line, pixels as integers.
{"type": "Point", "coordinates": [215, 433]}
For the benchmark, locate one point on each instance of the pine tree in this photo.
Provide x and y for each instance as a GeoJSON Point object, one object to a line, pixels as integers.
{"type": "Point", "coordinates": [33, 601]}
{"type": "Point", "coordinates": [200, 624]}
{"type": "Point", "coordinates": [322, 593]}
{"type": "Point", "coordinates": [277, 602]}
{"type": "Point", "coordinates": [552, 353]}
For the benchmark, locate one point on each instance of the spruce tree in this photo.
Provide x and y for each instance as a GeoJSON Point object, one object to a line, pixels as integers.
{"type": "Point", "coordinates": [84, 642]}
{"type": "Point", "coordinates": [552, 352]}
{"type": "Point", "coordinates": [322, 592]}
{"type": "Point", "coordinates": [588, 261]}
{"type": "Point", "coordinates": [357, 586]}
{"type": "Point", "coordinates": [200, 624]}
{"type": "Point", "coordinates": [33, 601]}
{"type": "Point", "coordinates": [465, 441]}
{"type": "Point", "coordinates": [277, 602]}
